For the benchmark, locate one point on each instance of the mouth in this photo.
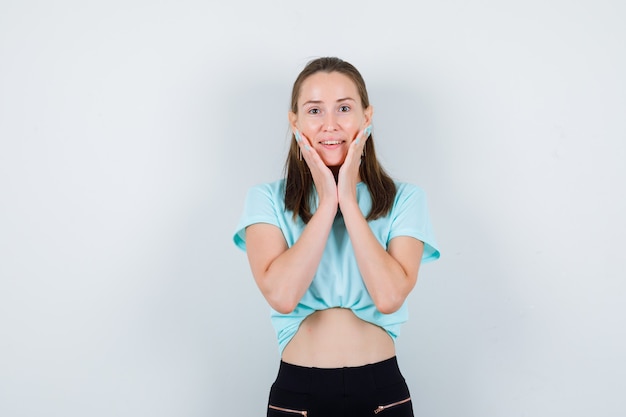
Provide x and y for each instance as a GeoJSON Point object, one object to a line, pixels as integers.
{"type": "Point", "coordinates": [331, 142]}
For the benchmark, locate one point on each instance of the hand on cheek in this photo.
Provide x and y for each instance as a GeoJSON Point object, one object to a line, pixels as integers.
{"type": "Point", "coordinates": [349, 173]}
{"type": "Point", "coordinates": [323, 177]}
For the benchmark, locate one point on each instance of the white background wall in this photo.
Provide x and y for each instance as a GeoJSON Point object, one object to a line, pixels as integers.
{"type": "Point", "coordinates": [131, 130]}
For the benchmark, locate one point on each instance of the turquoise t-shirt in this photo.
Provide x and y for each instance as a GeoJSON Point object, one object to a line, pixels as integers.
{"type": "Point", "coordinates": [338, 282]}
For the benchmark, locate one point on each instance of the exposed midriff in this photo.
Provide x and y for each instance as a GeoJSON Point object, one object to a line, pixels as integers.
{"type": "Point", "coordinates": [335, 338]}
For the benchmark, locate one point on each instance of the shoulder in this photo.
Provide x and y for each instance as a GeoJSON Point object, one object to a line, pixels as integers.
{"type": "Point", "coordinates": [407, 190]}
{"type": "Point", "coordinates": [265, 198]}
{"type": "Point", "coordinates": [264, 204]}
{"type": "Point", "coordinates": [409, 197]}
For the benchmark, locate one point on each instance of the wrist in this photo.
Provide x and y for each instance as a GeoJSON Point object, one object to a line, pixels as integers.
{"type": "Point", "coordinates": [349, 206]}
{"type": "Point", "coordinates": [327, 207]}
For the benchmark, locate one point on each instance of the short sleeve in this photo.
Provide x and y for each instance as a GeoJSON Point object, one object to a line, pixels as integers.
{"type": "Point", "coordinates": [410, 217]}
{"type": "Point", "coordinates": [259, 207]}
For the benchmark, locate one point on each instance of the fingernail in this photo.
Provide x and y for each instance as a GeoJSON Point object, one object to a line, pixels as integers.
{"type": "Point", "coordinates": [297, 135]}
{"type": "Point", "coordinates": [368, 131]}
{"type": "Point", "coordinates": [358, 140]}
{"type": "Point", "coordinates": [307, 147]}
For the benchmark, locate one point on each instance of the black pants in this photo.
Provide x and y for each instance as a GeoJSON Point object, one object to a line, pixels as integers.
{"type": "Point", "coordinates": [376, 389]}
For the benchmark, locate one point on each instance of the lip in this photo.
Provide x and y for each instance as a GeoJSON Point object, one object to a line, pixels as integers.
{"type": "Point", "coordinates": [331, 142]}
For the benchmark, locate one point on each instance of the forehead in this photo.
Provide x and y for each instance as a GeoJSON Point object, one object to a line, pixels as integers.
{"type": "Point", "coordinates": [328, 86]}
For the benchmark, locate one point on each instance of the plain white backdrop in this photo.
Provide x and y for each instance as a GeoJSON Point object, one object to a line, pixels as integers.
{"type": "Point", "coordinates": [131, 130]}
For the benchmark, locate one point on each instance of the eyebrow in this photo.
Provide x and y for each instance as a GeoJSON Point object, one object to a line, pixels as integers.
{"type": "Point", "coordinates": [320, 101]}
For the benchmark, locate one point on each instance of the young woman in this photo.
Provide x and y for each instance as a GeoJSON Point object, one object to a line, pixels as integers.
{"type": "Point", "coordinates": [335, 248]}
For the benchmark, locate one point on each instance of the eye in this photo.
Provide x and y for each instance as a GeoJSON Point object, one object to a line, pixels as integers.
{"type": "Point", "coordinates": [344, 109]}
{"type": "Point", "coordinates": [314, 110]}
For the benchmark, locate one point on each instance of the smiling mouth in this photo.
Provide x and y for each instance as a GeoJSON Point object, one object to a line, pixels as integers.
{"type": "Point", "coordinates": [331, 142]}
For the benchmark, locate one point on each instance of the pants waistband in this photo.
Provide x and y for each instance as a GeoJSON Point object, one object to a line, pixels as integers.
{"type": "Point", "coordinates": [346, 380]}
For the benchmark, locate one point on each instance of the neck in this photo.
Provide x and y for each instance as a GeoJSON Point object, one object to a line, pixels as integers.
{"type": "Point", "coordinates": [335, 171]}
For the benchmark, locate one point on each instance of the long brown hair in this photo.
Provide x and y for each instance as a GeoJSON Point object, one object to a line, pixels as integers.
{"type": "Point", "coordinates": [298, 180]}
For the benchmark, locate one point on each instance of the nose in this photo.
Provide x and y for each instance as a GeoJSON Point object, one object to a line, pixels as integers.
{"type": "Point", "coordinates": [330, 122]}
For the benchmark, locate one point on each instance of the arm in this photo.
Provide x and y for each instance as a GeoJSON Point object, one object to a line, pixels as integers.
{"type": "Point", "coordinates": [391, 274]}
{"type": "Point", "coordinates": [284, 274]}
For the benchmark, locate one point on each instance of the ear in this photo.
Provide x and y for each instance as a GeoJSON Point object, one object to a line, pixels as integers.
{"type": "Point", "coordinates": [369, 113]}
{"type": "Point", "coordinates": [293, 121]}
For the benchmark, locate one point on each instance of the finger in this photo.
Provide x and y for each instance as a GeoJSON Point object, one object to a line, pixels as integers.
{"type": "Point", "coordinates": [301, 139]}
{"type": "Point", "coordinates": [364, 134]}
{"type": "Point", "coordinates": [367, 132]}
{"type": "Point", "coordinates": [309, 154]}
{"type": "Point", "coordinates": [361, 139]}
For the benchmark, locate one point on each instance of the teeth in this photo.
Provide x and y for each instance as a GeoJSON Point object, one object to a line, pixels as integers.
{"type": "Point", "coordinates": [331, 142]}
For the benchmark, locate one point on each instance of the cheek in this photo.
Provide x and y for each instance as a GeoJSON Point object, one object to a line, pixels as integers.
{"type": "Point", "coordinates": [352, 124]}
{"type": "Point", "coordinates": [310, 126]}
{"type": "Point", "coordinates": [352, 129]}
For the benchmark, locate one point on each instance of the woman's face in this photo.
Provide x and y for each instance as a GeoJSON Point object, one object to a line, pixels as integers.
{"type": "Point", "coordinates": [330, 115]}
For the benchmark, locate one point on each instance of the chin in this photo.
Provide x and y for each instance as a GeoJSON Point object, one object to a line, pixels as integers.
{"type": "Point", "coordinates": [334, 163]}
